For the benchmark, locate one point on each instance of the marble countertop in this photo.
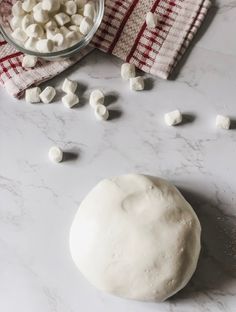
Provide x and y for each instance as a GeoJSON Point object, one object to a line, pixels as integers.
{"type": "Point", "coordinates": [39, 199]}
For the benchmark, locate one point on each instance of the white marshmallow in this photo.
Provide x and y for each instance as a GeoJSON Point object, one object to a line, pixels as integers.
{"type": "Point", "coordinates": [51, 5]}
{"type": "Point", "coordinates": [127, 71]}
{"type": "Point", "coordinates": [96, 97]}
{"type": "Point", "coordinates": [101, 112]}
{"type": "Point", "coordinates": [44, 45]}
{"type": "Point", "coordinates": [32, 95]}
{"type": "Point", "coordinates": [70, 7]}
{"type": "Point", "coordinates": [27, 20]}
{"type": "Point", "coordinates": [34, 31]}
{"type": "Point", "coordinates": [76, 19]}
{"type": "Point", "coordinates": [80, 3]}
{"type": "Point", "coordinates": [72, 38]}
{"type": "Point", "coordinates": [29, 61]}
{"type": "Point", "coordinates": [62, 19]}
{"type": "Point", "coordinates": [41, 16]}
{"type": "Point", "coordinates": [151, 20]}
{"type": "Point", "coordinates": [55, 154]}
{"type": "Point", "coordinates": [37, 7]}
{"type": "Point", "coordinates": [28, 5]}
{"type": "Point", "coordinates": [86, 25]}
{"type": "Point", "coordinates": [89, 10]}
{"type": "Point", "coordinates": [173, 118]}
{"type": "Point", "coordinates": [58, 40]}
{"type": "Point", "coordinates": [137, 83]}
{"type": "Point", "coordinates": [223, 122]}
{"type": "Point", "coordinates": [75, 28]}
{"type": "Point", "coordinates": [64, 30]}
{"type": "Point", "coordinates": [51, 25]}
{"type": "Point", "coordinates": [30, 44]}
{"type": "Point", "coordinates": [50, 34]}
{"type": "Point", "coordinates": [15, 22]}
{"type": "Point", "coordinates": [70, 100]}
{"type": "Point", "coordinates": [69, 86]}
{"type": "Point", "coordinates": [19, 35]}
{"type": "Point", "coordinates": [17, 9]}
{"type": "Point", "coordinates": [47, 95]}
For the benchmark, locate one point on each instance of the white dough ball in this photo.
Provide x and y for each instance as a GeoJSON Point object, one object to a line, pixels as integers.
{"type": "Point", "coordinates": [136, 237]}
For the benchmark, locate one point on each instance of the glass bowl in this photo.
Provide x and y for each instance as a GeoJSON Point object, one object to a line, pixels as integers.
{"type": "Point", "coordinates": [5, 30]}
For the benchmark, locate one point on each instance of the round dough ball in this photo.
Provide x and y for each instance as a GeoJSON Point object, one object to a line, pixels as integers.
{"type": "Point", "coordinates": [136, 237]}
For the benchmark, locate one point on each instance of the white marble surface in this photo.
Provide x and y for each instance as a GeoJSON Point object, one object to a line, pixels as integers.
{"type": "Point", "coordinates": [39, 199]}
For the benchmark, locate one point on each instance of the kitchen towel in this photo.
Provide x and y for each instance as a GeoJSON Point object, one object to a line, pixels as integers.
{"type": "Point", "coordinates": [124, 33]}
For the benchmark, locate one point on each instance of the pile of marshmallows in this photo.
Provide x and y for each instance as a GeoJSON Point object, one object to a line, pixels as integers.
{"type": "Point", "coordinates": [51, 25]}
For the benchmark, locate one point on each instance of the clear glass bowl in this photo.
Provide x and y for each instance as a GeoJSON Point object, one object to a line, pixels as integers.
{"type": "Point", "coordinates": [5, 30]}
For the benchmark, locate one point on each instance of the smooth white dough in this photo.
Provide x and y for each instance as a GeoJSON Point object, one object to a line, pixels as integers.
{"type": "Point", "coordinates": [136, 237]}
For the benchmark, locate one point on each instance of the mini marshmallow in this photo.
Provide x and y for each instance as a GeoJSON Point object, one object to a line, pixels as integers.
{"type": "Point", "coordinates": [17, 9]}
{"type": "Point", "coordinates": [74, 28]}
{"type": "Point", "coordinates": [137, 83]}
{"type": "Point", "coordinates": [96, 97]}
{"type": "Point", "coordinates": [15, 22]}
{"type": "Point", "coordinates": [127, 71]}
{"type": "Point", "coordinates": [30, 44]}
{"type": "Point", "coordinates": [151, 20]}
{"type": "Point", "coordinates": [89, 10]}
{"type": "Point", "coordinates": [50, 34]}
{"type": "Point", "coordinates": [62, 19]}
{"type": "Point", "coordinates": [86, 25]}
{"type": "Point", "coordinates": [223, 122]}
{"type": "Point", "coordinates": [64, 30]}
{"type": "Point", "coordinates": [101, 112]}
{"type": "Point", "coordinates": [32, 95]}
{"type": "Point", "coordinates": [76, 19]}
{"type": "Point", "coordinates": [51, 25]}
{"type": "Point", "coordinates": [80, 3]}
{"type": "Point", "coordinates": [41, 16]}
{"type": "Point", "coordinates": [72, 37]}
{"type": "Point", "coordinates": [19, 34]}
{"type": "Point", "coordinates": [29, 61]}
{"type": "Point", "coordinates": [69, 86]}
{"type": "Point", "coordinates": [47, 95]}
{"type": "Point", "coordinates": [173, 118]}
{"type": "Point", "coordinates": [55, 154]}
{"type": "Point", "coordinates": [27, 20]}
{"type": "Point", "coordinates": [28, 5]}
{"type": "Point", "coordinates": [44, 45]}
{"type": "Point", "coordinates": [58, 40]}
{"type": "Point", "coordinates": [37, 7]}
{"type": "Point", "coordinates": [34, 31]}
{"type": "Point", "coordinates": [51, 5]}
{"type": "Point", "coordinates": [70, 100]}
{"type": "Point", "coordinates": [70, 7]}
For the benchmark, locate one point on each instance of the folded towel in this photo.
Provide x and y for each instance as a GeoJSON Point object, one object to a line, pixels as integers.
{"type": "Point", "coordinates": [124, 33]}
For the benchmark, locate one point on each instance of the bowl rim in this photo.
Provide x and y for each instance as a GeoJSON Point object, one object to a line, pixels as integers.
{"type": "Point", "coordinates": [62, 53]}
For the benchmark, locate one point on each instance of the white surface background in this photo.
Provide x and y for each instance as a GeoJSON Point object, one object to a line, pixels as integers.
{"type": "Point", "coordinates": [39, 199]}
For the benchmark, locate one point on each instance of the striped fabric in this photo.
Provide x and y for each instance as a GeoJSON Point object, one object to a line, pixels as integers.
{"type": "Point", "coordinates": [124, 33]}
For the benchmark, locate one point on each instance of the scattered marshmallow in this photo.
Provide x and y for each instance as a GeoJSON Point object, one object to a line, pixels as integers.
{"type": "Point", "coordinates": [62, 19]}
{"type": "Point", "coordinates": [96, 97]}
{"type": "Point", "coordinates": [173, 118]}
{"type": "Point", "coordinates": [86, 25]}
{"type": "Point", "coordinates": [29, 61]}
{"type": "Point", "coordinates": [32, 95]}
{"type": "Point", "coordinates": [223, 122]}
{"type": "Point", "coordinates": [69, 86]}
{"type": "Point", "coordinates": [55, 154]}
{"type": "Point", "coordinates": [137, 83]}
{"type": "Point", "coordinates": [151, 20]}
{"type": "Point", "coordinates": [70, 100]}
{"type": "Point", "coordinates": [101, 112]}
{"type": "Point", "coordinates": [19, 35]}
{"type": "Point", "coordinates": [70, 7]}
{"type": "Point", "coordinates": [47, 95]}
{"type": "Point", "coordinates": [51, 5]}
{"type": "Point", "coordinates": [127, 71]}
{"type": "Point", "coordinates": [44, 45]}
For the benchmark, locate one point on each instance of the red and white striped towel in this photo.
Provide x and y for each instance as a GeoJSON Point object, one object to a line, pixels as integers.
{"type": "Point", "coordinates": [124, 33]}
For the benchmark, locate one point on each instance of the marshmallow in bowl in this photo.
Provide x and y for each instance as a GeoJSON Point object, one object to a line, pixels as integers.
{"type": "Point", "coordinates": [62, 22]}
